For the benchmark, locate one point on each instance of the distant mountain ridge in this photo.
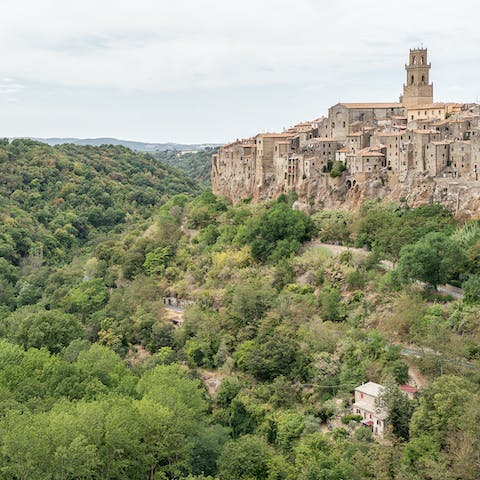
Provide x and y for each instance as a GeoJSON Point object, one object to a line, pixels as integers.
{"type": "Point", "coordinates": [137, 146]}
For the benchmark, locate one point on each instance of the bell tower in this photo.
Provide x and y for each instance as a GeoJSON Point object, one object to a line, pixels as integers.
{"type": "Point", "coordinates": [417, 90]}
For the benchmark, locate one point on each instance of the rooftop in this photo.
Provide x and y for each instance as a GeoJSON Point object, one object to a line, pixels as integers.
{"type": "Point", "coordinates": [372, 105]}
{"type": "Point", "coordinates": [389, 134]}
{"type": "Point", "coordinates": [408, 389]}
{"type": "Point", "coordinates": [276, 135]}
{"type": "Point", "coordinates": [370, 388]}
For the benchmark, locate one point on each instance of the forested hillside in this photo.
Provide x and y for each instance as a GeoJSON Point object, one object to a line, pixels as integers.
{"type": "Point", "coordinates": [290, 313]}
{"type": "Point", "coordinates": [196, 164]}
{"type": "Point", "coordinates": [57, 198]}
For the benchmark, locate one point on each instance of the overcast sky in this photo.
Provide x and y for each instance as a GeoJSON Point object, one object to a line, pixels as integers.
{"type": "Point", "coordinates": [214, 70]}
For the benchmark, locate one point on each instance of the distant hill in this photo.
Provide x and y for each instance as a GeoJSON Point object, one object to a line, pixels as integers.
{"type": "Point", "coordinates": [137, 146]}
{"type": "Point", "coordinates": [196, 164]}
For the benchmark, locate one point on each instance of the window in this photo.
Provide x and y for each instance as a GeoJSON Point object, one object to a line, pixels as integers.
{"type": "Point", "coordinates": [411, 80]}
{"type": "Point", "coordinates": [423, 78]}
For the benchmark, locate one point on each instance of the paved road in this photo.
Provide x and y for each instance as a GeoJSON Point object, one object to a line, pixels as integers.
{"type": "Point", "coordinates": [428, 352]}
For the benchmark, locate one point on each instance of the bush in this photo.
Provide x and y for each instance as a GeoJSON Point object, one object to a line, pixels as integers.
{"type": "Point", "coordinates": [333, 308]}
{"type": "Point", "coordinates": [471, 289]}
{"type": "Point", "coordinates": [346, 419]}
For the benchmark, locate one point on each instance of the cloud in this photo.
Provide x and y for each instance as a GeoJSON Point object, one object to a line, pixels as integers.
{"type": "Point", "coordinates": [8, 86]}
{"type": "Point", "coordinates": [69, 54]}
{"type": "Point", "coordinates": [159, 45]}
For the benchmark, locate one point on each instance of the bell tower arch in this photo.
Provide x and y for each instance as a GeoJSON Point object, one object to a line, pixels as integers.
{"type": "Point", "coordinates": [417, 90]}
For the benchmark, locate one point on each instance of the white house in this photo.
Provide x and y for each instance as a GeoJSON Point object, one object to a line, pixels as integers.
{"type": "Point", "coordinates": [365, 405]}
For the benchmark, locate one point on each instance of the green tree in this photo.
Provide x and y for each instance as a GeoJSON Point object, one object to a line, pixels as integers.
{"type": "Point", "coordinates": [87, 298]}
{"type": "Point", "coordinates": [277, 233]}
{"type": "Point", "coordinates": [441, 407]}
{"type": "Point", "coordinates": [398, 407]}
{"type": "Point", "coordinates": [34, 326]}
{"type": "Point", "coordinates": [471, 289]}
{"type": "Point", "coordinates": [247, 458]}
{"type": "Point", "coordinates": [333, 308]}
{"type": "Point", "coordinates": [435, 259]}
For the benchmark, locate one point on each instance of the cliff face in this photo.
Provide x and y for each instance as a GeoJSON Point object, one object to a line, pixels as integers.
{"type": "Point", "coordinates": [459, 196]}
{"type": "Point", "coordinates": [462, 197]}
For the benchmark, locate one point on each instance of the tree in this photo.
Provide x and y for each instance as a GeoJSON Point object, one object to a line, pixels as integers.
{"type": "Point", "coordinates": [33, 326]}
{"type": "Point", "coordinates": [435, 259]}
{"type": "Point", "coordinates": [318, 457]}
{"type": "Point", "coordinates": [87, 298]}
{"type": "Point", "coordinates": [268, 356]}
{"type": "Point", "coordinates": [471, 289]}
{"type": "Point", "coordinates": [156, 261]}
{"type": "Point", "coordinates": [398, 407]}
{"type": "Point", "coordinates": [441, 408]}
{"type": "Point", "coordinates": [333, 308]}
{"type": "Point", "coordinates": [246, 458]}
{"type": "Point", "coordinates": [277, 233]}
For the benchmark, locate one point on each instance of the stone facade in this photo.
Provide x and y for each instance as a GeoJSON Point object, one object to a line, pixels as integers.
{"type": "Point", "coordinates": [415, 150]}
{"type": "Point", "coordinates": [417, 90]}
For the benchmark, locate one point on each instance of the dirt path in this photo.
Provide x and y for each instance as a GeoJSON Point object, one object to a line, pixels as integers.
{"type": "Point", "coordinates": [174, 315]}
{"type": "Point", "coordinates": [337, 249]}
{"type": "Point", "coordinates": [417, 378]}
{"type": "Point", "coordinates": [444, 290]}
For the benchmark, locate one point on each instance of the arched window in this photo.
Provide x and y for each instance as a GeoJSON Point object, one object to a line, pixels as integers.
{"type": "Point", "coordinates": [423, 78]}
{"type": "Point", "coordinates": [411, 80]}
{"type": "Point", "coordinates": [423, 60]}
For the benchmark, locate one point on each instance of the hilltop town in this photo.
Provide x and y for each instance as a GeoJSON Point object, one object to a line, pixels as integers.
{"type": "Point", "coordinates": [415, 151]}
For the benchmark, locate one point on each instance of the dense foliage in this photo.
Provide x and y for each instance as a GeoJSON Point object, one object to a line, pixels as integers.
{"type": "Point", "coordinates": [97, 382]}
{"type": "Point", "coordinates": [196, 164]}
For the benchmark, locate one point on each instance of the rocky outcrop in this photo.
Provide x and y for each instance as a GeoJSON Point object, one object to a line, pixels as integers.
{"type": "Point", "coordinates": [462, 197]}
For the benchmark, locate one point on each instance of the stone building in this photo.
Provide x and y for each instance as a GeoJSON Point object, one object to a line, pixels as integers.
{"type": "Point", "coordinates": [408, 150]}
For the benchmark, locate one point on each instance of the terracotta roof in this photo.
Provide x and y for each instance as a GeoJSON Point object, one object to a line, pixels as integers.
{"type": "Point", "coordinates": [428, 106]}
{"type": "Point", "coordinates": [275, 135]}
{"type": "Point", "coordinates": [366, 152]}
{"type": "Point", "coordinates": [408, 388]}
{"type": "Point", "coordinates": [388, 134]}
{"type": "Point", "coordinates": [372, 105]}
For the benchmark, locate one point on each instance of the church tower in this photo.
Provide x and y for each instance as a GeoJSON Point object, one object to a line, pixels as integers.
{"type": "Point", "coordinates": [417, 90]}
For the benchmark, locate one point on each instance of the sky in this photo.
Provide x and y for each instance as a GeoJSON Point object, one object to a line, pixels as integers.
{"type": "Point", "coordinates": [211, 71]}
